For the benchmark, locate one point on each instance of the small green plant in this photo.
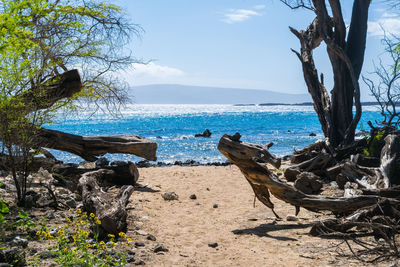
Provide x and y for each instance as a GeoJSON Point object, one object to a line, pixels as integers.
{"type": "Point", "coordinates": [24, 222]}
{"type": "Point", "coordinates": [374, 143]}
{"type": "Point", "coordinates": [74, 248]}
{"type": "Point", "coordinates": [3, 210]}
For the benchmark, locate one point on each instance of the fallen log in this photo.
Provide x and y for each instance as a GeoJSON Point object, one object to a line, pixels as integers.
{"type": "Point", "coordinates": [123, 173]}
{"type": "Point", "coordinates": [109, 210]}
{"type": "Point", "coordinates": [88, 147]}
{"type": "Point", "coordinates": [245, 156]}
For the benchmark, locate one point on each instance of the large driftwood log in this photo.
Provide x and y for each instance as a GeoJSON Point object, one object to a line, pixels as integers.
{"type": "Point", "coordinates": [90, 147]}
{"type": "Point", "coordinates": [245, 156]}
{"type": "Point", "coordinates": [110, 211]}
{"type": "Point", "coordinates": [124, 173]}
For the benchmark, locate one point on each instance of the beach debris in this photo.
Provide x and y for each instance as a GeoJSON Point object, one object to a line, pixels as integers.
{"type": "Point", "coordinates": [169, 196]}
{"type": "Point", "coordinates": [215, 206]}
{"type": "Point", "coordinates": [193, 196]}
{"type": "Point", "coordinates": [206, 133]}
{"type": "Point", "coordinates": [213, 245]}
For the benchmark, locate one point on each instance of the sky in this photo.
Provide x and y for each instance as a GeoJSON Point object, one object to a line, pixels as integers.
{"type": "Point", "coordinates": [235, 43]}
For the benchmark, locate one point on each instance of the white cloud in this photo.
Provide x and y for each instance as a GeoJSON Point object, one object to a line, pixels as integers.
{"type": "Point", "coordinates": [389, 23]}
{"type": "Point", "coordinates": [239, 15]}
{"type": "Point", "coordinates": [154, 70]}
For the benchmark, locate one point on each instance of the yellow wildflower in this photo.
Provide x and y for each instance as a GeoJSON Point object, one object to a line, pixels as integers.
{"type": "Point", "coordinates": [98, 222]}
{"type": "Point", "coordinates": [113, 243]}
{"type": "Point", "coordinates": [38, 233]}
{"type": "Point", "coordinates": [111, 235]}
{"type": "Point", "coordinates": [88, 246]}
{"type": "Point", "coordinates": [122, 234]}
{"type": "Point", "coordinates": [74, 249]}
{"type": "Point", "coordinates": [129, 239]}
{"type": "Point", "coordinates": [86, 234]}
{"type": "Point", "coordinates": [84, 216]}
{"type": "Point", "coordinates": [65, 249]}
{"type": "Point", "coordinates": [83, 223]}
{"type": "Point", "coordinates": [92, 215]}
{"type": "Point", "coordinates": [102, 243]}
{"type": "Point", "coordinates": [79, 211]}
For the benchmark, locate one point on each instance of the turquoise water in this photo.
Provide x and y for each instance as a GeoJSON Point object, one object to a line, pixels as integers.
{"type": "Point", "coordinates": [287, 126]}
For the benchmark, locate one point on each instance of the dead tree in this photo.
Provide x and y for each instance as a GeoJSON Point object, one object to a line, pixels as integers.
{"type": "Point", "coordinates": [335, 112]}
{"type": "Point", "coordinates": [252, 160]}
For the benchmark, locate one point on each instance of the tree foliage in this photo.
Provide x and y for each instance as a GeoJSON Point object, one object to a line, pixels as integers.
{"type": "Point", "coordinates": [41, 39]}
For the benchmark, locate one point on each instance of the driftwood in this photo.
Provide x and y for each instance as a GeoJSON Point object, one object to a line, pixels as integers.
{"type": "Point", "coordinates": [390, 159]}
{"type": "Point", "coordinates": [110, 211]}
{"type": "Point", "coordinates": [90, 147]}
{"type": "Point", "coordinates": [247, 157]}
{"type": "Point", "coordinates": [121, 173]}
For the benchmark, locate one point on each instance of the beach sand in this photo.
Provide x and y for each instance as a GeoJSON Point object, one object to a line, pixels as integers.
{"type": "Point", "coordinates": [246, 235]}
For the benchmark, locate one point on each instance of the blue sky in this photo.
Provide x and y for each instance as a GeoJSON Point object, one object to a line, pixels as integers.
{"type": "Point", "coordinates": [235, 43]}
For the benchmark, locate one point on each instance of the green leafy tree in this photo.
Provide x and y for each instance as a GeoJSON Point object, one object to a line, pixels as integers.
{"type": "Point", "coordinates": [40, 41]}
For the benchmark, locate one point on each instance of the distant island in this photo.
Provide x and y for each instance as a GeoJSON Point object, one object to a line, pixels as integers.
{"type": "Point", "coordinates": [186, 94]}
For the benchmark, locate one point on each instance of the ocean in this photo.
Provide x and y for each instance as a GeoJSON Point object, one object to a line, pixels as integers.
{"type": "Point", "coordinates": [173, 128]}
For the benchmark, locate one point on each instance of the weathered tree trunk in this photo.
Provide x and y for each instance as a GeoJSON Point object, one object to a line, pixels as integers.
{"type": "Point", "coordinates": [110, 211]}
{"type": "Point", "coordinates": [90, 147]}
{"type": "Point", "coordinates": [125, 173]}
{"type": "Point", "coordinates": [336, 113]}
{"type": "Point", "coordinates": [248, 157]}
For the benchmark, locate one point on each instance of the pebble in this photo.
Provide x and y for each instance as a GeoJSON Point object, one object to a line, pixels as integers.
{"type": "Point", "coordinates": [193, 196]}
{"type": "Point", "coordinates": [139, 244]}
{"type": "Point", "coordinates": [160, 248]}
{"type": "Point", "coordinates": [213, 245]}
{"type": "Point", "coordinates": [141, 232]}
{"type": "Point", "coordinates": [151, 237]}
{"type": "Point", "coordinates": [20, 242]}
{"type": "Point", "coordinates": [50, 215]}
{"type": "Point", "coordinates": [215, 206]}
{"type": "Point", "coordinates": [292, 218]}
{"type": "Point", "coordinates": [170, 196]}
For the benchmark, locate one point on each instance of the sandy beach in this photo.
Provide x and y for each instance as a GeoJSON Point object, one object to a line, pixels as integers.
{"type": "Point", "coordinates": [223, 213]}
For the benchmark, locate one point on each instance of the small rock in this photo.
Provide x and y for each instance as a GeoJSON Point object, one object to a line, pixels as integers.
{"type": "Point", "coordinates": [313, 134]}
{"type": "Point", "coordinates": [139, 244]}
{"type": "Point", "coordinates": [151, 237]}
{"type": "Point", "coordinates": [141, 232]}
{"type": "Point", "coordinates": [102, 162]}
{"type": "Point", "coordinates": [14, 256]}
{"type": "Point", "coordinates": [130, 259]}
{"type": "Point", "coordinates": [140, 262]}
{"type": "Point", "coordinates": [20, 242]}
{"type": "Point", "coordinates": [215, 206]}
{"type": "Point", "coordinates": [193, 196]}
{"type": "Point", "coordinates": [213, 245]}
{"type": "Point", "coordinates": [131, 252]}
{"type": "Point", "coordinates": [206, 133]}
{"type": "Point", "coordinates": [145, 218]}
{"type": "Point", "coordinates": [160, 248]}
{"type": "Point", "coordinates": [170, 196]}
{"type": "Point", "coordinates": [159, 137]}
{"type": "Point", "coordinates": [71, 203]}
{"type": "Point", "coordinates": [292, 218]}
{"type": "Point", "coordinates": [50, 215]}
{"type": "Point", "coordinates": [308, 183]}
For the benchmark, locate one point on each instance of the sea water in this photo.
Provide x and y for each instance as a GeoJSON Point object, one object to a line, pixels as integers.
{"type": "Point", "coordinates": [173, 128]}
